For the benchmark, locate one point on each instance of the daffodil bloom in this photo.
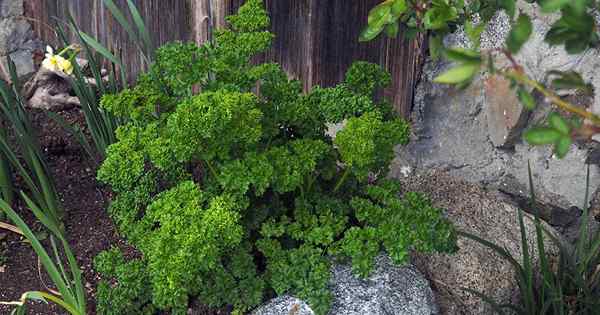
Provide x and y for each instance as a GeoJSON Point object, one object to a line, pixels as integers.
{"type": "Point", "coordinates": [51, 60]}
{"type": "Point", "coordinates": [56, 62]}
{"type": "Point", "coordinates": [66, 66]}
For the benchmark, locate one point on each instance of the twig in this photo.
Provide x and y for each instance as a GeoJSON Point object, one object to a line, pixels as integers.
{"type": "Point", "coordinates": [523, 79]}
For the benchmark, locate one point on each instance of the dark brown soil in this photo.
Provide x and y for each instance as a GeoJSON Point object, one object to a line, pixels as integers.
{"type": "Point", "coordinates": [89, 229]}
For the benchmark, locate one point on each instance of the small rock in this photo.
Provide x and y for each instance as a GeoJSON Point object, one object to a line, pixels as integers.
{"type": "Point", "coordinates": [389, 290]}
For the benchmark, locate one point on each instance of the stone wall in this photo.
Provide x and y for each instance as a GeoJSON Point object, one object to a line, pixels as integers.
{"type": "Point", "coordinates": [476, 134]}
{"type": "Point", "coordinates": [16, 38]}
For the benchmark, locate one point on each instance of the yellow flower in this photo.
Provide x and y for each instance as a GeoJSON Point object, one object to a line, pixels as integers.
{"type": "Point", "coordinates": [66, 66]}
{"type": "Point", "coordinates": [51, 60]}
{"type": "Point", "coordinates": [56, 62]}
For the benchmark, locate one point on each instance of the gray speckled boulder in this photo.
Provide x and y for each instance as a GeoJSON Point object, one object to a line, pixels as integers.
{"type": "Point", "coordinates": [389, 290]}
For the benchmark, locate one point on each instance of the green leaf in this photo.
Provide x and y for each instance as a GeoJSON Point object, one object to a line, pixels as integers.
{"type": "Point", "coordinates": [562, 146]}
{"type": "Point", "coordinates": [35, 296]}
{"type": "Point", "coordinates": [370, 32]}
{"type": "Point", "coordinates": [509, 7]}
{"type": "Point", "coordinates": [379, 12]}
{"type": "Point", "coordinates": [570, 80]}
{"type": "Point", "coordinates": [463, 55]}
{"type": "Point", "coordinates": [399, 7]}
{"type": "Point", "coordinates": [578, 6]}
{"type": "Point", "coordinates": [458, 74]}
{"type": "Point", "coordinates": [474, 32]}
{"type": "Point", "coordinates": [99, 48]}
{"type": "Point", "coordinates": [542, 135]}
{"type": "Point", "coordinates": [120, 17]}
{"type": "Point", "coordinates": [435, 46]}
{"type": "Point", "coordinates": [549, 6]}
{"type": "Point", "coordinates": [439, 16]}
{"type": "Point", "coordinates": [519, 33]}
{"type": "Point", "coordinates": [392, 29]}
{"type": "Point", "coordinates": [141, 28]}
{"type": "Point", "coordinates": [526, 98]}
{"type": "Point", "coordinates": [559, 123]}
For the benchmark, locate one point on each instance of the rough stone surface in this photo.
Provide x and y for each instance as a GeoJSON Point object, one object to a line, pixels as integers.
{"type": "Point", "coordinates": [11, 8]}
{"type": "Point", "coordinates": [389, 290]}
{"type": "Point", "coordinates": [461, 131]}
{"type": "Point", "coordinates": [16, 39]}
{"type": "Point", "coordinates": [23, 62]}
{"type": "Point", "coordinates": [505, 115]}
{"type": "Point", "coordinates": [13, 34]}
{"type": "Point", "coordinates": [486, 215]}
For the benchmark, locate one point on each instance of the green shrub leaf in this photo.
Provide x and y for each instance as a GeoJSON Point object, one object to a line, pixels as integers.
{"type": "Point", "coordinates": [559, 123]}
{"type": "Point", "coordinates": [542, 135]}
{"type": "Point", "coordinates": [458, 74]}
{"type": "Point", "coordinates": [526, 98]}
{"type": "Point", "coordinates": [519, 33]}
{"type": "Point", "coordinates": [562, 146]}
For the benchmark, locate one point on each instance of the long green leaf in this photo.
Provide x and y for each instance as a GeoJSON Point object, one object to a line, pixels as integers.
{"type": "Point", "coordinates": [45, 259]}
{"type": "Point", "coordinates": [99, 48]}
{"type": "Point", "coordinates": [6, 185]}
{"type": "Point", "coordinates": [142, 29]}
{"type": "Point", "coordinates": [120, 17]}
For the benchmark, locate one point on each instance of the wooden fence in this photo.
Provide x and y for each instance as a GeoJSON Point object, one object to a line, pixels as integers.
{"type": "Point", "coordinates": [316, 40]}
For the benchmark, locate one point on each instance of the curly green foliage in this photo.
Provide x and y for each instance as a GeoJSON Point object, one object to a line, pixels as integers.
{"type": "Point", "coordinates": [141, 103]}
{"type": "Point", "coordinates": [365, 78]}
{"type": "Point", "coordinates": [399, 225]}
{"type": "Point", "coordinates": [338, 103]}
{"type": "Point", "coordinates": [233, 192]}
{"type": "Point", "coordinates": [303, 270]}
{"type": "Point", "coordinates": [125, 160]}
{"type": "Point", "coordinates": [214, 124]}
{"type": "Point", "coordinates": [233, 48]}
{"type": "Point", "coordinates": [366, 144]}
{"type": "Point", "coordinates": [129, 291]}
{"type": "Point", "coordinates": [235, 282]}
{"type": "Point", "coordinates": [193, 231]}
{"type": "Point", "coordinates": [180, 66]}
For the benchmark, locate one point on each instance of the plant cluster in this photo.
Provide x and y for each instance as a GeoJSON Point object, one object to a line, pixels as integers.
{"type": "Point", "coordinates": [59, 263]}
{"type": "Point", "coordinates": [575, 30]}
{"type": "Point", "coordinates": [237, 191]}
{"type": "Point", "coordinates": [569, 285]}
{"type": "Point", "coordinates": [23, 155]}
{"type": "Point", "coordinates": [572, 286]}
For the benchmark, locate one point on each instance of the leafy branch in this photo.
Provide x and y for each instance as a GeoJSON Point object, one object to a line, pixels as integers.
{"type": "Point", "coordinates": [576, 30]}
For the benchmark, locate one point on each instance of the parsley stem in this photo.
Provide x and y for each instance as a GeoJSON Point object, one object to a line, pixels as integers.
{"type": "Point", "coordinates": [212, 169]}
{"type": "Point", "coordinates": [342, 180]}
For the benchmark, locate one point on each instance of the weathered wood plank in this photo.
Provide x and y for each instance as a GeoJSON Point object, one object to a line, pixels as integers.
{"type": "Point", "coordinates": [316, 40]}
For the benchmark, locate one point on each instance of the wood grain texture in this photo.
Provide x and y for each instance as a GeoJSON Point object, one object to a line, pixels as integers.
{"type": "Point", "coordinates": [316, 40]}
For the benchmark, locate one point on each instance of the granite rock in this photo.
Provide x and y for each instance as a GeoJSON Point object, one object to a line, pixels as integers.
{"type": "Point", "coordinates": [388, 290]}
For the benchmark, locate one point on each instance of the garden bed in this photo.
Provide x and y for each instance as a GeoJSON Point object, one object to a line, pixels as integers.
{"type": "Point", "coordinates": [89, 228]}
